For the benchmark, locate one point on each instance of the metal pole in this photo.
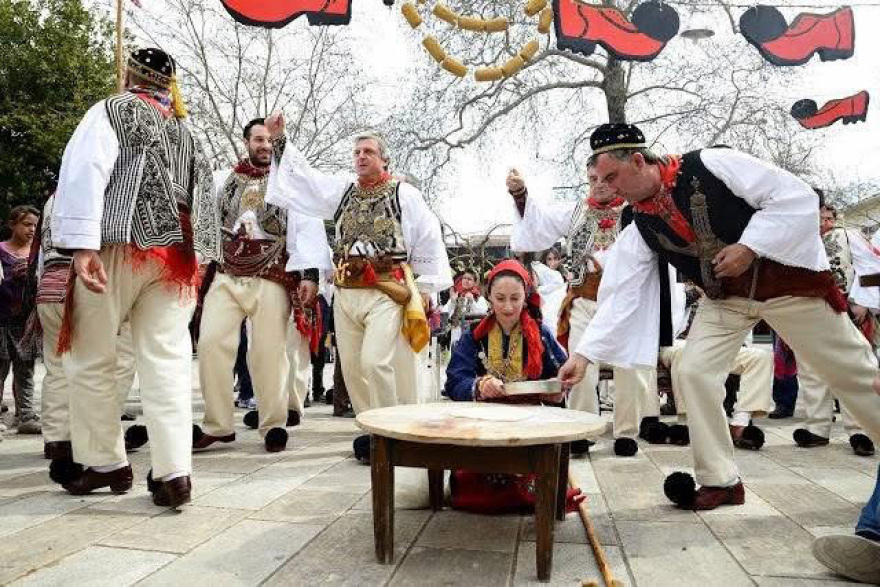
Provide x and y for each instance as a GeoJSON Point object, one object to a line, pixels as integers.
{"type": "Point", "coordinates": [120, 65]}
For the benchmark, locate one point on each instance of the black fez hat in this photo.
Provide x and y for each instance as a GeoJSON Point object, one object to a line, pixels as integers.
{"type": "Point", "coordinates": [610, 137]}
{"type": "Point", "coordinates": [153, 65]}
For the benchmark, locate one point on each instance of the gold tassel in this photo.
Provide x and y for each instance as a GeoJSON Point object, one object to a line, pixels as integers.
{"type": "Point", "coordinates": [177, 99]}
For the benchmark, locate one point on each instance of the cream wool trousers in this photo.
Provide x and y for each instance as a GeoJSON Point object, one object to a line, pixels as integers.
{"type": "Point", "coordinates": [753, 365]}
{"type": "Point", "coordinates": [226, 304]}
{"type": "Point", "coordinates": [159, 313]}
{"type": "Point", "coordinates": [379, 367]}
{"type": "Point", "coordinates": [300, 359]}
{"type": "Point", "coordinates": [635, 390]}
{"type": "Point", "coordinates": [53, 396]}
{"type": "Point", "coordinates": [826, 340]}
{"type": "Point", "coordinates": [818, 404]}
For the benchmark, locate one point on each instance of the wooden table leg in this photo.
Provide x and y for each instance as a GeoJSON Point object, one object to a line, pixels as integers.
{"type": "Point", "coordinates": [382, 469]}
{"type": "Point", "coordinates": [562, 484]}
{"type": "Point", "coordinates": [435, 488]}
{"type": "Point", "coordinates": [547, 472]}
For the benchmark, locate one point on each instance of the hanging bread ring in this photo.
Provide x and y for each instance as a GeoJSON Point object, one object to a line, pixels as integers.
{"type": "Point", "coordinates": [411, 12]}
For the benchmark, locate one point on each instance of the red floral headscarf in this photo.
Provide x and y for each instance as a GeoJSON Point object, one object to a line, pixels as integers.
{"type": "Point", "coordinates": [530, 326]}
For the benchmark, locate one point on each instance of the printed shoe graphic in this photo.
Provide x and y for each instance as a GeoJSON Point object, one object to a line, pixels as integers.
{"type": "Point", "coordinates": [580, 27]}
{"type": "Point", "coordinates": [849, 110]}
{"type": "Point", "coordinates": [831, 35]}
{"type": "Point", "coordinates": [278, 13]}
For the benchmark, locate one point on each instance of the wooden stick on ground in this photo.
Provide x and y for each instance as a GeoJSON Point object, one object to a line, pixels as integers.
{"type": "Point", "coordinates": [598, 552]}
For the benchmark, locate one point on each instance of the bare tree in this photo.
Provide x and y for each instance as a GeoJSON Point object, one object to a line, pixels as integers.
{"type": "Point", "coordinates": [235, 73]}
{"type": "Point", "coordinates": [693, 94]}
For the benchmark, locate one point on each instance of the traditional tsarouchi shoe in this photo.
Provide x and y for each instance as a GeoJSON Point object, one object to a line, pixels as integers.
{"type": "Point", "coordinates": [861, 445]}
{"type": "Point", "coordinates": [119, 481]}
{"type": "Point", "coordinates": [276, 440]}
{"type": "Point", "coordinates": [806, 439]}
{"type": "Point", "coordinates": [681, 490]}
{"type": "Point", "coordinates": [59, 449]}
{"type": "Point", "coordinates": [709, 498]}
{"type": "Point", "coordinates": [293, 418]}
{"type": "Point", "coordinates": [173, 493]}
{"type": "Point", "coordinates": [202, 441]}
{"type": "Point", "coordinates": [135, 437]}
{"type": "Point", "coordinates": [747, 437]}
{"type": "Point", "coordinates": [625, 447]}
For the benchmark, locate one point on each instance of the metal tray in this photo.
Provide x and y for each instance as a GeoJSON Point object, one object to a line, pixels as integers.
{"type": "Point", "coordinates": [532, 387]}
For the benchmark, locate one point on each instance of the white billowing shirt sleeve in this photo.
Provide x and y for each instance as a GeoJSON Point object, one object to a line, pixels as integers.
{"type": "Point", "coordinates": [307, 244]}
{"type": "Point", "coordinates": [296, 185]}
{"type": "Point", "coordinates": [625, 331]}
{"type": "Point", "coordinates": [678, 298]}
{"type": "Point", "coordinates": [541, 225]}
{"type": "Point", "coordinates": [866, 261]}
{"type": "Point", "coordinates": [86, 167]}
{"type": "Point", "coordinates": [785, 227]}
{"type": "Point", "coordinates": [426, 251]}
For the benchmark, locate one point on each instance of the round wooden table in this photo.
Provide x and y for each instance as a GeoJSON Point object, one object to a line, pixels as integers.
{"type": "Point", "coordinates": [480, 437]}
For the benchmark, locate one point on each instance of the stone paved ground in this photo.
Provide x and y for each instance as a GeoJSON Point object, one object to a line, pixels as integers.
{"type": "Point", "coordinates": [303, 517]}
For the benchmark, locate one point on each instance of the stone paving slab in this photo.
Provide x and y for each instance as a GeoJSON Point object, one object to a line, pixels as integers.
{"type": "Point", "coordinates": [343, 554]}
{"type": "Point", "coordinates": [176, 531]}
{"type": "Point", "coordinates": [678, 553]}
{"type": "Point", "coordinates": [39, 546]}
{"type": "Point", "coordinates": [99, 566]}
{"type": "Point", "coordinates": [307, 506]}
{"type": "Point", "coordinates": [572, 528]}
{"type": "Point", "coordinates": [774, 546]}
{"type": "Point", "coordinates": [450, 529]}
{"type": "Point", "coordinates": [572, 564]}
{"type": "Point", "coordinates": [808, 505]}
{"type": "Point", "coordinates": [453, 567]}
{"type": "Point", "coordinates": [243, 554]}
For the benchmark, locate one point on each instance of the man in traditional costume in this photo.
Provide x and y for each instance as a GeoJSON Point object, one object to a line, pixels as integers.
{"type": "Point", "coordinates": [851, 256]}
{"type": "Point", "coordinates": [257, 279]}
{"type": "Point", "coordinates": [53, 269]}
{"type": "Point", "coordinates": [135, 206]}
{"type": "Point", "coordinates": [589, 226]}
{"type": "Point", "coordinates": [745, 232]}
{"type": "Point", "coordinates": [385, 235]}
{"type": "Point", "coordinates": [754, 399]}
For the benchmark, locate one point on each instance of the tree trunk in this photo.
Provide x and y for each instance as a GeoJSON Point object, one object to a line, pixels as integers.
{"type": "Point", "coordinates": [614, 87]}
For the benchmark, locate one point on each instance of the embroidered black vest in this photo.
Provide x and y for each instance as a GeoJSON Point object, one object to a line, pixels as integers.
{"type": "Point", "coordinates": [370, 218]}
{"type": "Point", "coordinates": [159, 168]}
{"type": "Point", "coordinates": [242, 193]}
{"type": "Point", "coordinates": [717, 216]}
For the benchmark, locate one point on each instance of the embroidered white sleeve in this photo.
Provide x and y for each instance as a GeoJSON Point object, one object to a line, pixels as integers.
{"type": "Point", "coordinates": [426, 251]}
{"type": "Point", "coordinates": [86, 167]}
{"type": "Point", "coordinates": [785, 227]}
{"type": "Point", "coordinates": [296, 185]}
{"type": "Point", "coordinates": [542, 225]}
{"type": "Point", "coordinates": [625, 331]}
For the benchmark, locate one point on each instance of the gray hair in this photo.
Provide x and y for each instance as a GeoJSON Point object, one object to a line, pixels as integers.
{"type": "Point", "coordinates": [624, 154]}
{"type": "Point", "coordinates": [373, 135]}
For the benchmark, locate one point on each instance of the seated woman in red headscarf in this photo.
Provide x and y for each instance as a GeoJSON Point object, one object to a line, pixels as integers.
{"type": "Point", "coordinates": [510, 344]}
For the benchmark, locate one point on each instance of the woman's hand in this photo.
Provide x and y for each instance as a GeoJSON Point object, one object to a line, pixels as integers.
{"type": "Point", "coordinates": [490, 387]}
